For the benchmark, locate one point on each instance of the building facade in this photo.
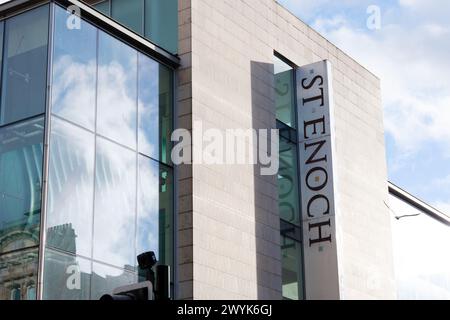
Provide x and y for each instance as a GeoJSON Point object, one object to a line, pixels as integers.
{"type": "Point", "coordinates": [91, 92]}
{"type": "Point", "coordinates": [420, 238]}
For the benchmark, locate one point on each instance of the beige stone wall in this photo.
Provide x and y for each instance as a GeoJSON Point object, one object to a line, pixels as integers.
{"type": "Point", "coordinates": [183, 173]}
{"type": "Point", "coordinates": [228, 215]}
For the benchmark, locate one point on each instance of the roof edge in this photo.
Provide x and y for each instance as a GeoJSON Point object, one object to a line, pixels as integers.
{"type": "Point", "coordinates": [418, 204]}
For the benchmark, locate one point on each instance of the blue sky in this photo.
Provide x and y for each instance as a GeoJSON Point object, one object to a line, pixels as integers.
{"type": "Point", "coordinates": [411, 55]}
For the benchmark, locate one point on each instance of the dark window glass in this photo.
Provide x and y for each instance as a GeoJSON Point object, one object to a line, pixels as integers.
{"type": "Point", "coordinates": [154, 109]}
{"type": "Point", "coordinates": [21, 149]}
{"type": "Point", "coordinates": [161, 23]}
{"type": "Point", "coordinates": [291, 269]}
{"type": "Point", "coordinates": [31, 292]}
{"type": "Point", "coordinates": [284, 92]}
{"type": "Point", "coordinates": [16, 294]}
{"type": "Point", "coordinates": [74, 71]}
{"type": "Point", "coordinates": [156, 20]}
{"type": "Point", "coordinates": [103, 7]}
{"type": "Point", "coordinates": [288, 190]}
{"type": "Point", "coordinates": [105, 279]}
{"type": "Point", "coordinates": [117, 91]}
{"type": "Point", "coordinates": [66, 277]}
{"type": "Point", "coordinates": [115, 205]}
{"type": "Point", "coordinates": [2, 29]}
{"type": "Point", "coordinates": [130, 13]}
{"type": "Point", "coordinates": [155, 210]}
{"type": "Point", "coordinates": [18, 274]}
{"type": "Point", "coordinates": [25, 65]}
{"type": "Point", "coordinates": [71, 188]}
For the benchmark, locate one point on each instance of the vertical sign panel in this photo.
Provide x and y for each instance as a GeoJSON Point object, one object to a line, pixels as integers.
{"type": "Point", "coordinates": [316, 140]}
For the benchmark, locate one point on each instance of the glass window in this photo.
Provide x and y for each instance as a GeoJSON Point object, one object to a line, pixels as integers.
{"type": "Point", "coordinates": [31, 291]}
{"type": "Point", "coordinates": [21, 150]}
{"type": "Point", "coordinates": [155, 109]}
{"type": "Point", "coordinates": [105, 279]}
{"type": "Point", "coordinates": [117, 91]}
{"type": "Point", "coordinates": [155, 210]}
{"type": "Point", "coordinates": [2, 29]}
{"type": "Point", "coordinates": [161, 23]}
{"type": "Point", "coordinates": [288, 191]}
{"type": "Point", "coordinates": [156, 20]}
{"type": "Point", "coordinates": [130, 13]}
{"type": "Point", "coordinates": [165, 113]}
{"type": "Point", "coordinates": [16, 294]}
{"type": "Point", "coordinates": [66, 277]}
{"type": "Point", "coordinates": [115, 205]}
{"type": "Point", "coordinates": [74, 71]}
{"type": "Point", "coordinates": [71, 188]}
{"type": "Point", "coordinates": [18, 270]}
{"type": "Point", "coordinates": [25, 65]}
{"type": "Point", "coordinates": [291, 269]}
{"type": "Point", "coordinates": [284, 92]}
{"type": "Point", "coordinates": [103, 7]}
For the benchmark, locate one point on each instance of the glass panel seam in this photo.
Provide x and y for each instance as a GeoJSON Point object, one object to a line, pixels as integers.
{"type": "Point", "coordinates": [22, 120]}
{"type": "Point", "coordinates": [143, 18]}
{"type": "Point", "coordinates": [302, 256]}
{"type": "Point", "coordinates": [136, 198]}
{"type": "Point", "coordinates": [72, 123]}
{"type": "Point", "coordinates": [2, 59]}
{"type": "Point", "coordinates": [46, 156]}
{"type": "Point", "coordinates": [97, 32]}
{"type": "Point", "coordinates": [175, 190]}
{"type": "Point", "coordinates": [155, 160]}
{"type": "Point", "coordinates": [67, 253]}
{"type": "Point", "coordinates": [19, 250]}
{"type": "Point", "coordinates": [97, 135]}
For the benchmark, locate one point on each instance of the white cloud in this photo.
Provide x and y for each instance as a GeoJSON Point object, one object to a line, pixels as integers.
{"type": "Point", "coordinates": [410, 54]}
{"type": "Point", "coordinates": [412, 61]}
{"type": "Point", "coordinates": [337, 21]}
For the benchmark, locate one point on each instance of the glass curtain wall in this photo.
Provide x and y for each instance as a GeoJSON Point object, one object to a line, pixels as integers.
{"type": "Point", "coordinates": [288, 181]}
{"type": "Point", "coordinates": [23, 57]}
{"type": "Point", "coordinates": [156, 20]}
{"type": "Point", "coordinates": [110, 192]}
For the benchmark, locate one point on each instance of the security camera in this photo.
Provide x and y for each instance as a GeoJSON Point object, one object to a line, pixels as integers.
{"type": "Point", "coordinates": [151, 289]}
{"type": "Point", "coordinates": [147, 260]}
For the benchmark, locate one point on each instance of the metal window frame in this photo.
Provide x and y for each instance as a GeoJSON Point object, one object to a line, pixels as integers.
{"type": "Point", "coordinates": [294, 130]}
{"type": "Point", "coordinates": [46, 159]}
